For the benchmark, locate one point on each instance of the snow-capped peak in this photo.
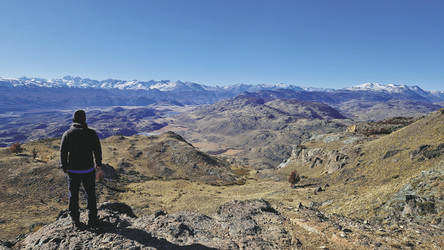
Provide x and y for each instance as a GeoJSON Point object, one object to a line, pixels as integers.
{"type": "Point", "coordinates": [391, 88]}
{"type": "Point", "coordinates": [169, 86]}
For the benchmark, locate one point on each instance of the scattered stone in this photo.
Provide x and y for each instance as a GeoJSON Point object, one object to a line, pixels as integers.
{"type": "Point", "coordinates": [390, 153]}
{"type": "Point", "coordinates": [417, 201]}
{"type": "Point", "coordinates": [159, 213]}
{"type": "Point", "coordinates": [377, 244]}
{"type": "Point", "coordinates": [433, 153]}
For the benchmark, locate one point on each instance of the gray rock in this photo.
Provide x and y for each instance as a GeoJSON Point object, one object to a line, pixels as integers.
{"type": "Point", "coordinates": [236, 225]}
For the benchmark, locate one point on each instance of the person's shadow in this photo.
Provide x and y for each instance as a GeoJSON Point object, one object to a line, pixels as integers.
{"type": "Point", "coordinates": [144, 238]}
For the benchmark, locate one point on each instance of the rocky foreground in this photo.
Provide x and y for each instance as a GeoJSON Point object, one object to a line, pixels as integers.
{"type": "Point", "coordinates": [237, 225]}
{"type": "Point", "coordinates": [251, 224]}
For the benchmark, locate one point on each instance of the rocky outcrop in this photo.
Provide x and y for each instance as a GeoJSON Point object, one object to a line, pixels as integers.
{"type": "Point", "coordinates": [336, 160]}
{"type": "Point", "coordinates": [236, 225]}
{"type": "Point", "coordinates": [250, 224]}
{"type": "Point", "coordinates": [329, 160]}
{"type": "Point", "coordinates": [342, 232]}
{"type": "Point", "coordinates": [421, 200]}
{"type": "Point", "coordinates": [385, 126]}
{"type": "Point", "coordinates": [427, 152]}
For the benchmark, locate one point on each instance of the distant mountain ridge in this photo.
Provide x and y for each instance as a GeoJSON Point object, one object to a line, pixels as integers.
{"type": "Point", "coordinates": [162, 85]}
{"type": "Point", "coordinates": [433, 96]}
{"type": "Point", "coordinates": [167, 85]}
{"type": "Point", "coordinates": [180, 86]}
{"type": "Point", "coordinates": [369, 101]}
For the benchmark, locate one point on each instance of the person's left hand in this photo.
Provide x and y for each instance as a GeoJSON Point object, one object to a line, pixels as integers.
{"type": "Point", "coordinates": [98, 167]}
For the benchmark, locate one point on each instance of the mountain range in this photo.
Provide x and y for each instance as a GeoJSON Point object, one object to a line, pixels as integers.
{"type": "Point", "coordinates": [72, 91]}
{"type": "Point", "coordinates": [163, 85]}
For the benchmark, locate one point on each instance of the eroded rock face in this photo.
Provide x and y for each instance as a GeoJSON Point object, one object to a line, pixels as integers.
{"type": "Point", "coordinates": [336, 160]}
{"type": "Point", "coordinates": [421, 200]}
{"type": "Point", "coordinates": [330, 160]}
{"type": "Point", "coordinates": [236, 225]}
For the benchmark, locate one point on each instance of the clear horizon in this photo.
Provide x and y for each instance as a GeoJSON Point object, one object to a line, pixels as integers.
{"type": "Point", "coordinates": [321, 44]}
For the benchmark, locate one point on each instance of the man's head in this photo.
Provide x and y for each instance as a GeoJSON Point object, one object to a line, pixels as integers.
{"type": "Point", "coordinates": [79, 116]}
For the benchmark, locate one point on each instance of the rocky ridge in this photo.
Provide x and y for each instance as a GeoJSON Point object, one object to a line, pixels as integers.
{"type": "Point", "coordinates": [252, 224]}
{"type": "Point", "coordinates": [237, 225]}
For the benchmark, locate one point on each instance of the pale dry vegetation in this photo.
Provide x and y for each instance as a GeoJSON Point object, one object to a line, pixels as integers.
{"type": "Point", "coordinates": [378, 167]}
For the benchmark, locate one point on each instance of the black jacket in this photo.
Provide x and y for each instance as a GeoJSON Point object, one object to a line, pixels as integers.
{"type": "Point", "coordinates": [79, 145]}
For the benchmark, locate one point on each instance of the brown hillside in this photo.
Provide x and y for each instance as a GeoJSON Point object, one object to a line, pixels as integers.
{"type": "Point", "coordinates": [372, 168]}
{"type": "Point", "coordinates": [167, 156]}
{"type": "Point", "coordinates": [171, 157]}
{"type": "Point", "coordinates": [32, 192]}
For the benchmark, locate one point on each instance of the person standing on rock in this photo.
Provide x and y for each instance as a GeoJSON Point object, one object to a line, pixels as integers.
{"type": "Point", "coordinates": [79, 148]}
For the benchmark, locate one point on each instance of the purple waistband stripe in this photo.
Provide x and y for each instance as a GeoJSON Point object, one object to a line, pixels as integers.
{"type": "Point", "coordinates": [81, 171]}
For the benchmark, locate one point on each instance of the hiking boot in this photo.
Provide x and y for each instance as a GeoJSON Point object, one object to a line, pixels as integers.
{"type": "Point", "coordinates": [93, 223]}
{"type": "Point", "coordinates": [77, 224]}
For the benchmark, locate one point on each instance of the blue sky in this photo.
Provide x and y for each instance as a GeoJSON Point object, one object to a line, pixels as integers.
{"type": "Point", "coordinates": [318, 43]}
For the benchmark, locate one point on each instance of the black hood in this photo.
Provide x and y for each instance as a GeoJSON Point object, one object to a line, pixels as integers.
{"type": "Point", "coordinates": [79, 126]}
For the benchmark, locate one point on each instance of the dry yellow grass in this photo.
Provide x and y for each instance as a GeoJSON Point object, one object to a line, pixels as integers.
{"type": "Point", "coordinates": [370, 178]}
{"type": "Point", "coordinates": [179, 195]}
{"type": "Point", "coordinates": [30, 190]}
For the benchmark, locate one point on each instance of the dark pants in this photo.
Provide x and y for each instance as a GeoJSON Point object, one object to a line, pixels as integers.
{"type": "Point", "coordinates": [89, 184]}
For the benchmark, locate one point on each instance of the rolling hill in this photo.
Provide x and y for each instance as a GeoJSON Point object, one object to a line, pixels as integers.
{"type": "Point", "coordinates": [254, 131]}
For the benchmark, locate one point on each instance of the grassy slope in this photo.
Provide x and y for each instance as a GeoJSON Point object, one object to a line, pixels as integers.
{"type": "Point", "coordinates": [32, 192]}
{"type": "Point", "coordinates": [370, 178]}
